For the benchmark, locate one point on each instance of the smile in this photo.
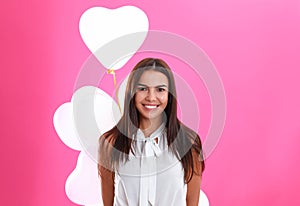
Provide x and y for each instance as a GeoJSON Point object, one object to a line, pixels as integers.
{"type": "Point", "coordinates": [148, 106]}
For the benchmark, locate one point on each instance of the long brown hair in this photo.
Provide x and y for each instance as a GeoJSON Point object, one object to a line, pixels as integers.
{"type": "Point", "coordinates": [182, 141]}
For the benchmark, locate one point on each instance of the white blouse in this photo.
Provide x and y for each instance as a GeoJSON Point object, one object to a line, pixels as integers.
{"type": "Point", "coordinates": [153, 176]}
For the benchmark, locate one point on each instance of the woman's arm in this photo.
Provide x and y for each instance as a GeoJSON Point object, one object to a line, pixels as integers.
{"type": "Point", "coordinates": [193, 186]}
{"type": "Point", "coordinates": [107, 185]}
{"type": "Point", "coordinates": [105, 170]}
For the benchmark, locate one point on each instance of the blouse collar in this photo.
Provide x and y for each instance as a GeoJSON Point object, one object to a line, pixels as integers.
{"type": "Point", "coordinates": [152, 143]}
{"type": "Point", "coordinates": [158, 133]}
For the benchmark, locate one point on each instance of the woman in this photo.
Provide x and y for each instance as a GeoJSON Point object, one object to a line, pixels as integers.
{"type": "Point", "coordinates": [150, 157]}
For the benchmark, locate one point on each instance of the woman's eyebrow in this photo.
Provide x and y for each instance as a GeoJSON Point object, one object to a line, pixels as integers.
{"type": "Point", "coordinates": [144, 85]}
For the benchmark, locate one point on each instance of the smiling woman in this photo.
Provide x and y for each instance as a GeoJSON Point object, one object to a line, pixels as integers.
{"type": "Point", "coordinates": [150, 157]}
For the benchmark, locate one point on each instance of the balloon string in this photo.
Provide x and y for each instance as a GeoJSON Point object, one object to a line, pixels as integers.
{"type": "Point", "coordinates": [112, 71]}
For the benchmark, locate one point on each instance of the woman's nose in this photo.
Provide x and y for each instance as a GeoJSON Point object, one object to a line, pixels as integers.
{"type": "Point", "coordinates": [151, 94]}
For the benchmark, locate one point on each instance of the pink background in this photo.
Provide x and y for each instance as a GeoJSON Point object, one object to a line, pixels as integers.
{"type": "Point", "coordinates": [254, 45]}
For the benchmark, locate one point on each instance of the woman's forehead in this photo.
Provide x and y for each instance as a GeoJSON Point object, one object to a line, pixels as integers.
{"type": "Point", "coordinates": [153, 78]}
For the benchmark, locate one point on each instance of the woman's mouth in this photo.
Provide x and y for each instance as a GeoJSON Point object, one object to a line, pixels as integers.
{"type": "Point", "coordinates": [150, 106]}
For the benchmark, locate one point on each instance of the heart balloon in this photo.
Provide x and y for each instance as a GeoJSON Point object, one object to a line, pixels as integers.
{"type": "Point", "coordinates": [82, 121]}
{"type": "Point", "coordinates": [99, 26]}
{"type": "Point", "coordinates": [94, 113]}
{"type": "Point", "coordinates": [203, 201]}
{"type": "Point", "coordinates": [83, 184]}
{"type": "Point", "coordinates": [65, 127]}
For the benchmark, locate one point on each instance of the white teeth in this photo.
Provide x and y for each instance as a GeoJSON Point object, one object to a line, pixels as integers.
{"type": "Point", "coordinates": [150, 106]}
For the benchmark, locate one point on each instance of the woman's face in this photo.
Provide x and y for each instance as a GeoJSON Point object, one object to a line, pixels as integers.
{"type": "Point", "coordinates": [151, 96]}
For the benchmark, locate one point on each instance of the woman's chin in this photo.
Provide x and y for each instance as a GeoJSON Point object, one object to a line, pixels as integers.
{"type": "Point", "coordinates": [152, 115]}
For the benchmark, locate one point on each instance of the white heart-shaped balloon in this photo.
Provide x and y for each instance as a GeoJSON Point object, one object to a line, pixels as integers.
{"type": "Point", "coordinates": [81, 122]}
{"type": "Point", "coordinates": [64, 126]}
{"type": "Point", "coordinates": [83, 184]}
{"type": "Point", "coordinates": [94, 113]}
{"type": "Point", "coordinates": [99, 26]}
{"type": "Point", "coordinates": [203, 201]}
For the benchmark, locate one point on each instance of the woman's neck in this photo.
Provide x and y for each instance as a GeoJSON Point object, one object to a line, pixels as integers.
{"type": "Point", "coordinates": [148, 126]}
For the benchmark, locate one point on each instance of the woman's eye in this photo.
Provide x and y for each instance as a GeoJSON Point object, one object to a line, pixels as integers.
{"type": "Point", "coordinates": [161, 89]}
{"type": "Point", "coordinates": [142, 89]}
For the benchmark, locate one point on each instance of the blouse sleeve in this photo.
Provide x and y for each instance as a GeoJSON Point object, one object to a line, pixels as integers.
{"type": "Point", "coordinates": [193, 186]}
{"type": "Point", "coordinates": [105, 171]}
